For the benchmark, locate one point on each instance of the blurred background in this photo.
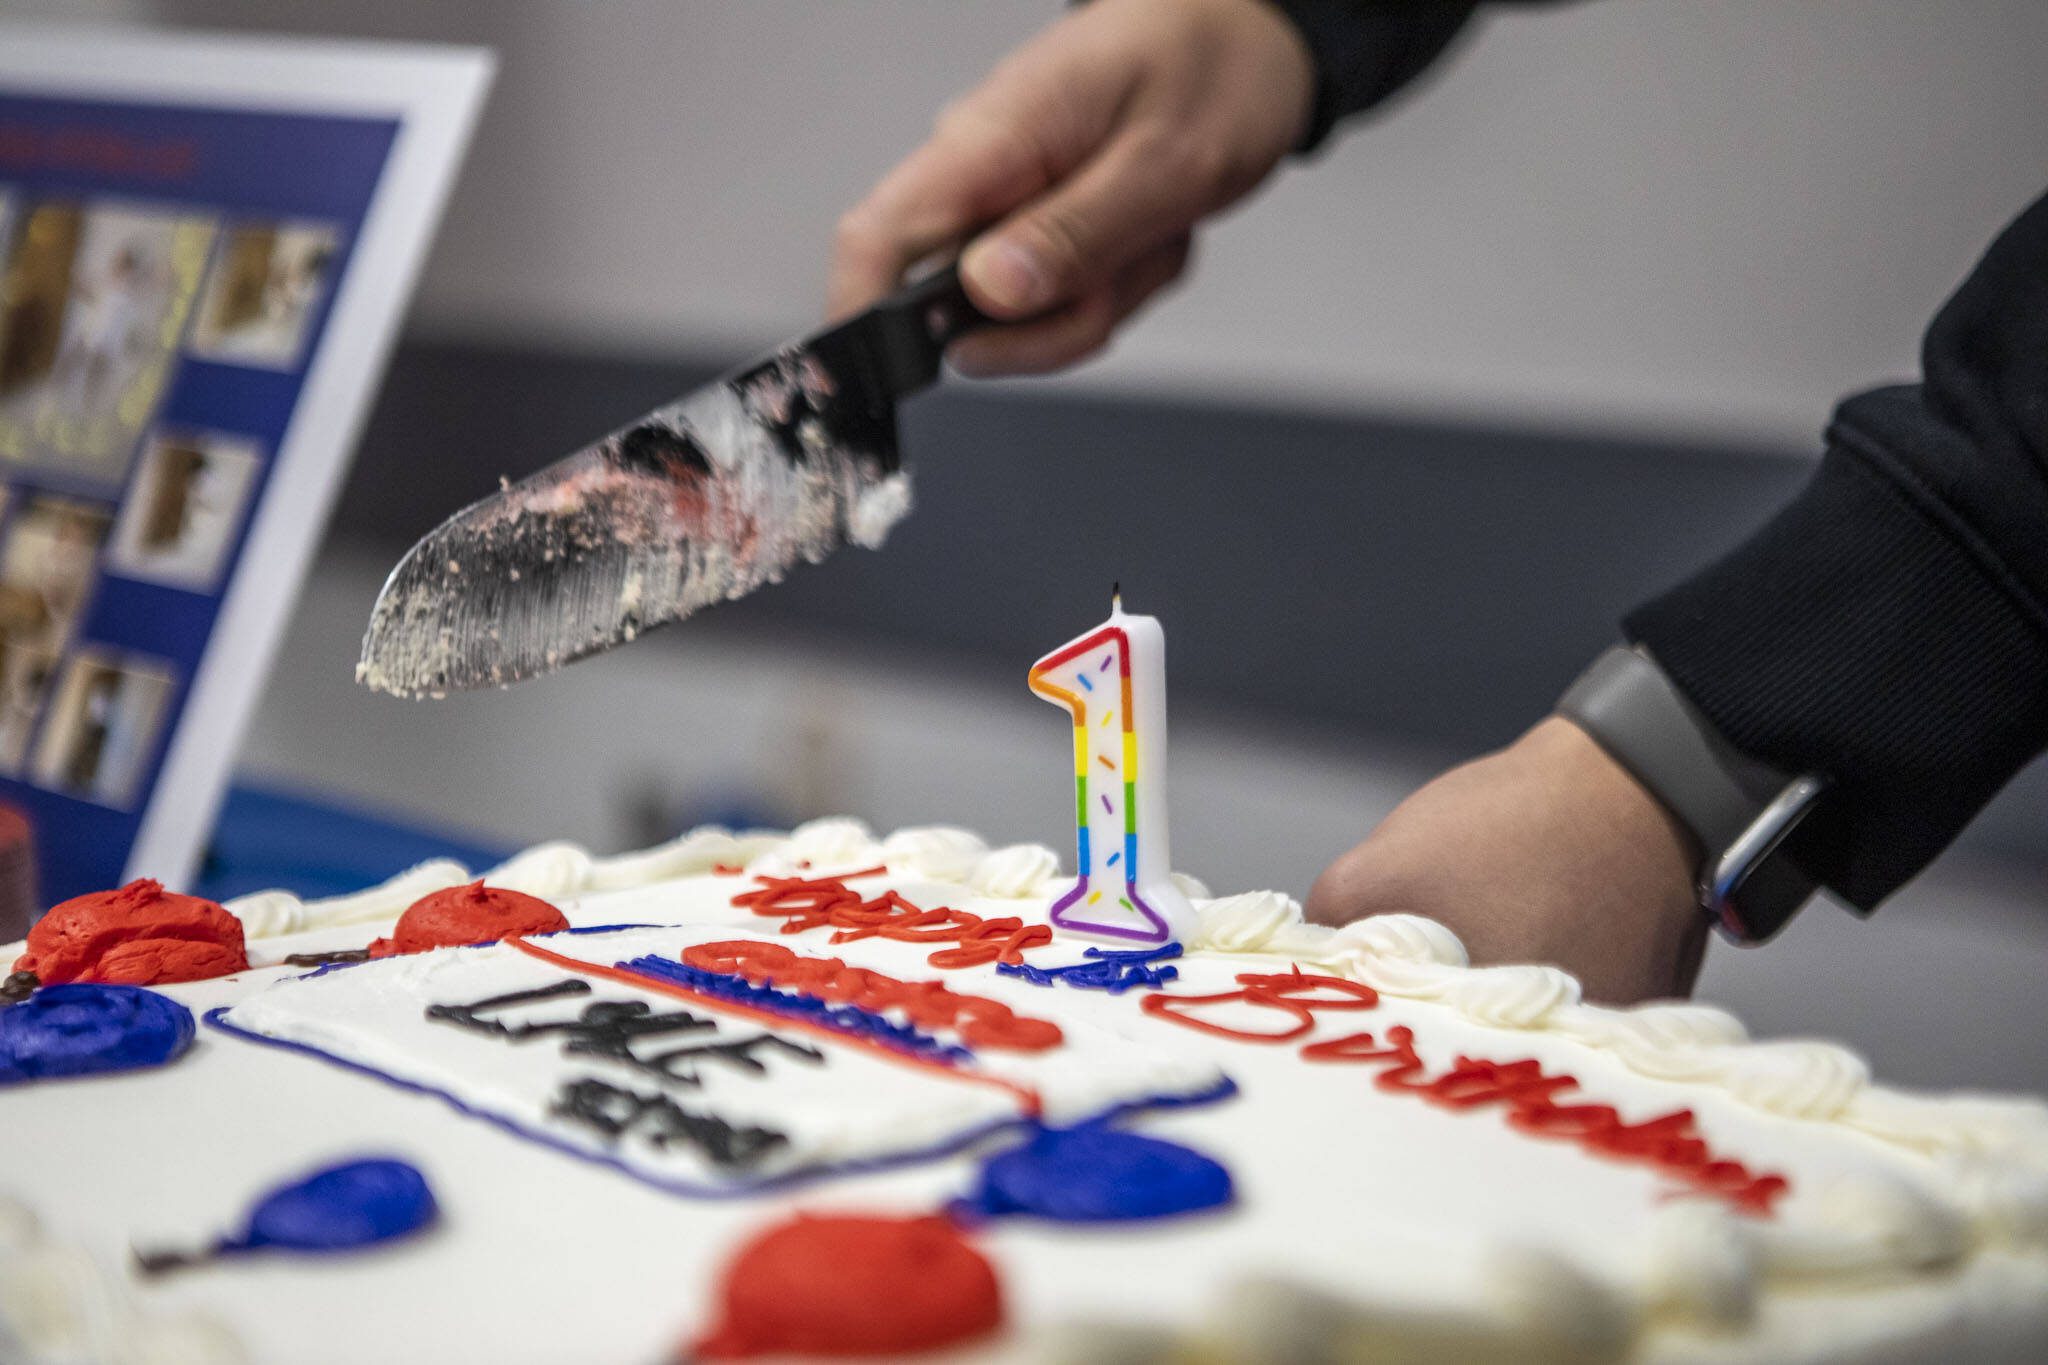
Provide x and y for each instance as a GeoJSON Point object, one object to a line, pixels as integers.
{"type": "Point", "coordinates": [1430, 413]}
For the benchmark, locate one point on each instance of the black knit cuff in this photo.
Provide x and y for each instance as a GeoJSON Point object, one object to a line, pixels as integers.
{"type": "Point", "coordinates": [1863, 633]}
{"type": "Point", "coordinates": [1365, 51]}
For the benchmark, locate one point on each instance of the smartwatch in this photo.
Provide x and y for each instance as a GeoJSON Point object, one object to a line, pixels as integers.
{"type": "Point", "coordinates": [1739, 809]}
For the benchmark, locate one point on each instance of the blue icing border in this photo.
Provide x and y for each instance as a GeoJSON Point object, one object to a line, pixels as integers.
{"type": "Point", "coordinates": [850, 1020]}
{"type": "Point", "coordinates": [1222, 1090]}
{"type": "Point", "coordinates": [1114, 970]}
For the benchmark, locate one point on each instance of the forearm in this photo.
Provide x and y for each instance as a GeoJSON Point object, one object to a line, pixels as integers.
{"type": "Point", "coordinates": [1890, 627]}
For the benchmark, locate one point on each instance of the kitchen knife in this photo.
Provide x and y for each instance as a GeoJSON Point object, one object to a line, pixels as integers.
{"type": "Point", "coordinates": [698, 502]}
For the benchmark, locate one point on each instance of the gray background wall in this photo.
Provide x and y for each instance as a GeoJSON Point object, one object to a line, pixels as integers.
{"type": "Point", "coordinates": [1640, 214]}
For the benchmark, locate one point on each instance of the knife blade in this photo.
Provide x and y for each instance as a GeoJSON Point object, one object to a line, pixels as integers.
{"type": "Point", "coordinates": [700, 501]}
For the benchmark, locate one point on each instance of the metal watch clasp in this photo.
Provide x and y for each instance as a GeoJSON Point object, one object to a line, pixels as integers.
{"type": "Point", "coordinates": [1721, 881]}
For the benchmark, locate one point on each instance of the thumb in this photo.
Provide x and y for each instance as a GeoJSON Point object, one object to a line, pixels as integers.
{"type": "Point", "coordinates": [1363, 881]}
{"type": "Point", "coordinates": [1130, 197]}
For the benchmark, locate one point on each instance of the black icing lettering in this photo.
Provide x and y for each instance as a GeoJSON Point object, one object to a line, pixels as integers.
{"type": "Point", "coordinates": [615, 1112]}
{"type": "Point", "coordinates": [470, 1016]}
{"type": "Point", "coordinates": [680, 1064]}
{"type": "Point", "coordinates": [606, 1028]}
{"type": "Point", "coordinates": [610, 1028]}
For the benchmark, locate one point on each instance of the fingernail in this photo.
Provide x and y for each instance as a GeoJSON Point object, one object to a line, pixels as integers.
{"type": "Point", "coordinates": [967, 361]}
{"type": "Point", "coordinates": [1009, 274]}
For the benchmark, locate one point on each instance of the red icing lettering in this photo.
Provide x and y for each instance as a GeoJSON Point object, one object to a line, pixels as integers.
{"type": "Point", "coordinates": [140, 935]}
{"type": "Point", "coordinates": [979, 1022]}
{"type": "Point", "coordinates": [850, 1286]}
{"type": "Point", "coordinates": [1473, 1082]}
{"type": "Point", "coordinates": [1670, 1142]}
{"type": "Point", "coordinates": [1289, 992]}
{"type": "Point", "coordinates": [462, 915]}
{"type": "Point", "coordinates": [827, 902]}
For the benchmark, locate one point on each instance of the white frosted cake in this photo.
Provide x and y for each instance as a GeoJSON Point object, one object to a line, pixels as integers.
{"type": "Point", "coordinates": [1425, 1160]}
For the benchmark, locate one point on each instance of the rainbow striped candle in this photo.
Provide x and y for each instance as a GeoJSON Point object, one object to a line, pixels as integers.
{"type": "Point", "coordinates": [1113, 682]}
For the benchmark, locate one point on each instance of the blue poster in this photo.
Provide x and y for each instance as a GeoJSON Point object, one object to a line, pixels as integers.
{"type": "Point", "coordinates": [166, 275]}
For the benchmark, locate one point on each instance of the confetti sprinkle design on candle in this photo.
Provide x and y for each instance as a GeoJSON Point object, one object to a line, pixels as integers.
{"type": "Point", "coordinates": [1119, 668]}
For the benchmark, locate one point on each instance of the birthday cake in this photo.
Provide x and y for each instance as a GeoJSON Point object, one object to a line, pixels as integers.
{"type": "Point", "coordinates": [820, 1093]}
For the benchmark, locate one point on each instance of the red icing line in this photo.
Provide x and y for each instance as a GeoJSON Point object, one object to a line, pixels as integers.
{"type": "Point", "coordinates": [979, 1021]}
{"type": "Point", "coordinates": [1670, 1142]}
{"type": "Point", "coordinates": [1282, 991]}
{"type": "Point", "coordinates": [140, 935]}
{"type": "Point", "coordinates": [457, 916]}
{"type": "Point", "coordinates": [827, 902]}
{"type": "Point", "coordinates": [1026, 1096]}
{"type": "Point", "coordinates": [852, 1286]}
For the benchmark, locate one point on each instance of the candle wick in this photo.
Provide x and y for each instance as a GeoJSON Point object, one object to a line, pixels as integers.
{"type": "Point", "coordinates": [1116, 596]}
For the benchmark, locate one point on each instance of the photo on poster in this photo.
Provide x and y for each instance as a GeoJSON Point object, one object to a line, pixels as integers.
{"type": "Point", "coordinates": [102, 726]}
{"type": "Point", "coordinates": [47, 566]}
{"type": "Point", "coordinates": [267, 283]}
{"type": "Point", "coordinates": [184, 508]}
{"type": "Point", "coordinates": [94, 298]}
{"type": "Point", "coordinates": [26, 672]}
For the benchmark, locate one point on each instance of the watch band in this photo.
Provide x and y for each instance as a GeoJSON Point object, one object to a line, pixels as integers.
{"type": "Point", "coordinates": [1739, 809]}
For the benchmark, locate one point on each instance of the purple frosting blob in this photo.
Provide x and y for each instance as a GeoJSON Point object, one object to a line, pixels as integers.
{"type": "Point", "coordinates": [83, 1029]}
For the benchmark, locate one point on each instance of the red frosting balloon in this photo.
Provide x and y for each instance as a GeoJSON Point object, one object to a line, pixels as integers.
{"type": "Point", "coordinates": [140, 935]}
{"type": "Point", "coordinates": [837, 1286]}
{"type": "Point", "coordinates": [462, 915]}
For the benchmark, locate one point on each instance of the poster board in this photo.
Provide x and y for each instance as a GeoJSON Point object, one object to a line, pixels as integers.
{"type": "Point", "coordinates": [206, 246]}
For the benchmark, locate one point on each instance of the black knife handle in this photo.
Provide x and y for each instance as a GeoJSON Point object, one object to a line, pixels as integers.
{"type": "Point", "coordinates": [912, 328]}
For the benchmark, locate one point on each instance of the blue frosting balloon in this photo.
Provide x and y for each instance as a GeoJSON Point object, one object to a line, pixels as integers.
{"type": "Point", "coordinates": [83, 1028]}
{"type": "Point", "coordinates": [1095, 1174]}
{"type": "Point", "coordinates": [356, 1204]}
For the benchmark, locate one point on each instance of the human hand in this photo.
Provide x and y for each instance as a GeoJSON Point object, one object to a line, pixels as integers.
{"type": "Point", "coordinates": [1093, 150]}
{"type": "Point", "coordinates": [1547, 851]}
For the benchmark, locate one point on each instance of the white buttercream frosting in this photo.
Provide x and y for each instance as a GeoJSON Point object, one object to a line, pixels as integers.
{"type": "Point", "coordinates": [269, 913]}
{"type": "Point", "coordinates": [1512, 997]}
{"type": "Point", "coordinates": [548, 870]}
{"type": "Point", "coordinates": [820, 847]}
{"type": "Point", "coordinates": [1242, 924]}
{"type": "Point", "coordinates": [1560, 1310]}
{"type": "Point", "coordinates": [1869, 1221]}
{"type": "Point", "coordinates": [940, 852]}
{"type": "Point", "coordinates": [1015, 872]}
{"type": "Point", "coordinates": [58, 1306]}
{"type": "Point", "coordinates": [699, 851]}
{"type": "Point", "coordinates": [1703, 1264]}
{"type": "Point", "coordinates": [1400, 955]}
{"type": "Point", "coordinates": [1973, 1170]}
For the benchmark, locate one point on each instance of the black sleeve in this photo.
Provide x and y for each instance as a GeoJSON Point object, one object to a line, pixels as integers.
{"type": "Point", "coordinates": [1365, 50]}
{"type": "Point", "coordinates": [1890, 627]}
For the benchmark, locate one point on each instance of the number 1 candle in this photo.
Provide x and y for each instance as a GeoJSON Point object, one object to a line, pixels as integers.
{"type": "Point", "coordinates": [1113, 681]}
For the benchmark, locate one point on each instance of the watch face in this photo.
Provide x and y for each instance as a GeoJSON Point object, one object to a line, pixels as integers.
{"type": "Point", "coordinates": [1763, 901]}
